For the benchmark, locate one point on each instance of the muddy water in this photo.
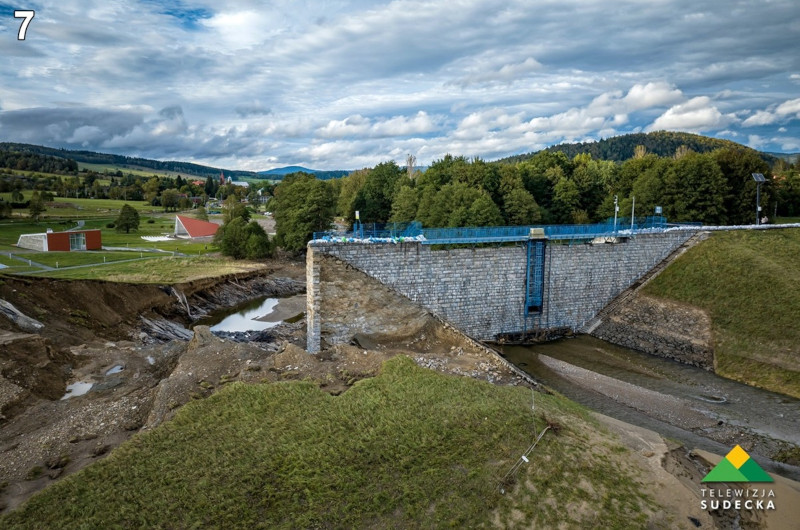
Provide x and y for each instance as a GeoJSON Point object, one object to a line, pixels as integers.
{"type": "Point", "coordinates": [255, 315]}
{"type": "Point", "coordinates": [734, 404]}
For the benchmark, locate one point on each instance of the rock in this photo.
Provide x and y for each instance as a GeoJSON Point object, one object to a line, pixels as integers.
{"type": "Point", "coordinates": [165, 330]}
{"type": "Point", "coordinates": [364, 342]}
{"type": "Point", "coordinates": [17, 317]}
{"type": "Point", "coordinates": [202, 337]}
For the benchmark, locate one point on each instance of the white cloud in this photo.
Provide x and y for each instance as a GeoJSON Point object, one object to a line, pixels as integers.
{"type": "Point", "coordinates": [789, 144]}
{"type": "Point", "coordinates": [351, 83]}
{"type": "Point", "coordinates": [350, 126]}
{"type": "Point", "coordinates": [505, 74]}
{"type": "Point", "coordinates": [239, 29]}
{"type": "Point", "coordinates": [358, 125]}
{"type": "Point", "coordinates": [786, 110]}
{"type": "Point", "coordinates": [761, 117]}
{"type": "Point", "coordinates": [756, 142]}
{"type": "Point", "coordinates": [657, 94]}
{"type": "Point", "coordinates": [696, 115]}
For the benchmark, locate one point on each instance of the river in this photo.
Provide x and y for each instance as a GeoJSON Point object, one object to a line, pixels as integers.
{"type": "Point", "coordinates": [733, 410]}
{"type": "Point", "coordinates": [255, 315]}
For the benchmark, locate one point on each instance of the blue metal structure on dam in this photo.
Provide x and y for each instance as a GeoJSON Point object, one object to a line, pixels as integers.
{"type": "Point", "coordinates": [621, 227]}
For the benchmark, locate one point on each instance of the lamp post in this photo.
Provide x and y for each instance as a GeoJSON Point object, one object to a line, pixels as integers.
{"type": "Point", "coordinates": [759, 178]}
{"type": "Point", "coordinates": [616, 209]}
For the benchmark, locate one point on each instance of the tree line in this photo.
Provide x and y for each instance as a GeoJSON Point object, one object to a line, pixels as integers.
{"type": "Point", "coordinates": [549, 187]}
{"type": "Point", "coordinates": [22, 161]}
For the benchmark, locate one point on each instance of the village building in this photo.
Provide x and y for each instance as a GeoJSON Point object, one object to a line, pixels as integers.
{"type": "Point", "coordinates": [192, 228]}
{"type": "Point", "coordinates": [61, 241]}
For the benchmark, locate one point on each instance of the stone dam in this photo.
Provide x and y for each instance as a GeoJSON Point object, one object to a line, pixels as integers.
{"type": "Point", "coordinates": [485, 291]}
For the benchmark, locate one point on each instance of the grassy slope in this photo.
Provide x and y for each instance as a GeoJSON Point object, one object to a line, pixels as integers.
{"type": "Point", "coordinates": [749, 282]}
{"type": "Point", "coordinates": [159, 270]}
{"type": "Point", "coordinates": [409, 448]}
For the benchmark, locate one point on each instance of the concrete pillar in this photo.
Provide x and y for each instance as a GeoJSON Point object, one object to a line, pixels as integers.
{"type": "Point", "coordinates": [312, 301]}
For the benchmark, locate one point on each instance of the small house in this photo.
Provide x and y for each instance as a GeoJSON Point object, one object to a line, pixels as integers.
{"type": "Point", "coordinates": [61, 241]}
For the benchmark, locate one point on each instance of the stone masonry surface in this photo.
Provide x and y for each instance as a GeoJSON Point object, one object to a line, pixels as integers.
{"type": "Point", "coordinates": [481, 291]}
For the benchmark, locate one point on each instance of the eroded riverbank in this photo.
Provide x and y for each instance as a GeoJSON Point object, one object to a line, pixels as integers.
{"type": "Point", "coordinates": [682, 402]}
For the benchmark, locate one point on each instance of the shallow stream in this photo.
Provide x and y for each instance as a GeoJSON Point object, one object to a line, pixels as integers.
{"type": "Point", "coordinates": [255, 315]}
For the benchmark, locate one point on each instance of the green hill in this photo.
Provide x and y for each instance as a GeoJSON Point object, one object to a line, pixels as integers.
{"type": "Point", "coordinates": [749, 283]}
{"type": "Point", "coordinates": [125, 162]}
{"type": "Point", "coordinates": [661, 143]}
{"type": "Point", "coordinates": [410, 448]}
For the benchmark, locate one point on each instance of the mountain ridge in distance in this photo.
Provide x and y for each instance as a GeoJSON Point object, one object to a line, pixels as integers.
{"type": "Point", "coordinates": [661, 143]}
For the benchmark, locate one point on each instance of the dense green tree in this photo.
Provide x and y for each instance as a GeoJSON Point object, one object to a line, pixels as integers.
{"type": "Point", "coordinates": [169, 200]}
{"type": "Point", "coordinates": [302, 205]}
{"type": "Point", "coordinates": [201, 213]}
{"type": "Point", "coordinates": [521, 208]}
{"type": "Point", "coordinates": [127, 220]}
{"type": "Point", "coordinates": [233, 208]}
{"type": "Point", "coordinates": [442, 172]}
{"type": "Point", "coordinates": [231, 238]}
{"type": "Point", "coordinates": [629, 172]}
{"type": "Point", "coordinates": [404, 206]}
{"type": "Point", "coordinates": [788, 193]}
{"type": "Point", "coordinates": [242, 240]}
{"type": "Point", "coordinates": [649, 187]}
{"type": "Point", "coordinates": [374, 199]}
{"type": "Point", "coordinates": [151, 189]}
{"type": "Point", "coordinates": [695, 190]}
{"type": "Point", "coordinates": [590, 179]}
{"type": "Point", "coordinates": [36, 206]}
{"type": "Point", "coordinates": [349, 188]}
{"type": "Point", "coordinates": [258, 245]}
{"type": "Point", "coordinates": [566, 199]}
{"type": "Point", "coordinates": [738, 166]}
{"type": "Point", "coordinates": [210, 187]}
{"type": "Point", "coordinates": [482, 212]}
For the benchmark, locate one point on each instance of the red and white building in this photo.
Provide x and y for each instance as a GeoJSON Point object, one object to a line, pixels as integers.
{"type": "Point", "coordinates": [192, 228]}
{"type": "Point", "coordinates": [61, 241]}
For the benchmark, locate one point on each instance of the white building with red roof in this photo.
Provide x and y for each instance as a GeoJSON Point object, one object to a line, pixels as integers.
{"type": "Point", "coordinates": [191, 227]}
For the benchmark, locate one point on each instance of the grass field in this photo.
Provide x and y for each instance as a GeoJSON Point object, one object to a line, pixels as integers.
{"type": "Point", "coordinates": [71, 208]}
{"type": "Point", "coordinates": [749, 282]}
{"type": "Point", "coordinates": [193, 259]}
{"type": "Point", "coordinates": [157, 269]}
{"type": "Point", "coordinates": [137, 171]}
{"type": "Point", "coordinates": [407, 449]}
{"type": "Point", "coordinates": [72, 259]}
{"type": "Point", "coordinates": [13, 266]}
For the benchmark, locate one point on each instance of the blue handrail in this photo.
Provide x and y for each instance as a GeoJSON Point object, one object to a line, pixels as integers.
{"type": "Point", "coordinates": [498, 234]}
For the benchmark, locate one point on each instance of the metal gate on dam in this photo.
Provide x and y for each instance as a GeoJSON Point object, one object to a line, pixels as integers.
{"type": "Point", "coordinates": [500, 280]}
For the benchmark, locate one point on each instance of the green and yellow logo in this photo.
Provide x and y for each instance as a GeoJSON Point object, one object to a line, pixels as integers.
{"type": "Point", "coordinates": [737, 466]}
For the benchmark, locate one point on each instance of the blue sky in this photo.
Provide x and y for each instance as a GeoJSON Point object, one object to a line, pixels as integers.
{"type": "Point", "coordinates": [347, 84]}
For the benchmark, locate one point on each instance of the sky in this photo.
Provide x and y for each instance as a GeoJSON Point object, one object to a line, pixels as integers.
{"type": "Point", "coordinates": [330, 84]}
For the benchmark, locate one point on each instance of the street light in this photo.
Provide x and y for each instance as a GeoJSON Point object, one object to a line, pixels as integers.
{"type": "Point", "coordinates": [759, 178]}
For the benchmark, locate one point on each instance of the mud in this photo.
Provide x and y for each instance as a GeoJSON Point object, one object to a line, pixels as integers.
{"type": "Point", "coordinates": [96, 333]}
{"type": "Point", "coordinates": [133, 345]}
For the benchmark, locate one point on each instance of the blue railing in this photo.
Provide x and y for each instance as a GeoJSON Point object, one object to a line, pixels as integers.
{"type": "Point", "coordinates": [499, 234]}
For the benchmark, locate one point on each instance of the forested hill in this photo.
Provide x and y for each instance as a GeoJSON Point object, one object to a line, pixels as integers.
{"type": "Point", "coordinates": [661, 143]}
{"type": "Point", "coordinates": [89, 157]}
